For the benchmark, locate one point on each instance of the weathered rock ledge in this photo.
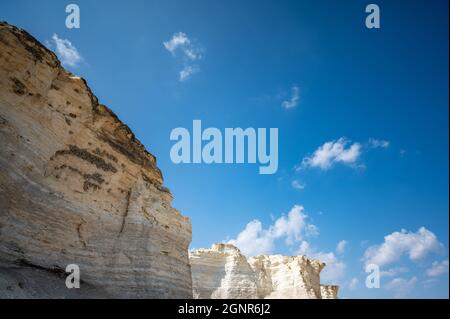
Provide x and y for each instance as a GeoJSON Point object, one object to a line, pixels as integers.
{"type": "Point", "coordinates": [77, 187]}
{"type": "Point", "coordinates": [222, 272]}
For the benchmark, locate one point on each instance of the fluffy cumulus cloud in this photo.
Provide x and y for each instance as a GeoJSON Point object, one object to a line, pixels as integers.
{"type": "Point", "coordinates": [330, 153]}
{"type": "Point", "coordinates": [335, 267]}
{"type": "Point", "coordinates": [401, 287]}
{"type": "Point", "coordinates": [294, 99]}
{"type": "Point", "coordinates": [65, 50]}
{"type": "Point", "coordinates": [438, 268]}
{"type": "Point", "coordinates": [340, 151]}
{"type": "Point", "coordinates": [414, 245]}
{"type": "Point", "coordinates": [294, 228]}
{"type": "Point", "coordinates": [189, 53]}
{"type": "Point", "coordinates": [255, 240]}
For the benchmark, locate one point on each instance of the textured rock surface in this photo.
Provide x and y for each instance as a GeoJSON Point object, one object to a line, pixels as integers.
{"type": "Point", "coordinates": [76, 186]}
{"type": "Point", "coordinates": [223, 272]}
{"type": "Point", "coordinates": [329, 291]}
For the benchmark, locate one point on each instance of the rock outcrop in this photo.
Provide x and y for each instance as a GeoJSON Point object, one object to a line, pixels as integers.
{"type": "Point", "coordinates": [77, 187]}
{"type": "Point", "coordinates": [329, 291]}
{"type": "Point", "coordinates": [223, 272]}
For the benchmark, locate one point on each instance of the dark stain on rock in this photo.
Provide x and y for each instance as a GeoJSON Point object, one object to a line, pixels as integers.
{"type": "Point", "coordinates": [68, 121]}
{"type": "Point", "coordinates": [88, 157]}
{"type": "Point", "coordinates": [104, 153]}
{"type": "Point", "coordinates": [18, 87]}
{"type": "Point", "coordinates": [88, 185]}
{"type": "Point", "coordinates": [96, 177]}
{"type": "Point", "coordinates": [53, 269]}
{"type": "Point", "coordinates": [74, 116]}
{"type": "Point", "coordinates": [127, 207]}
{"type": "Point", "coordinates": [3, 121]}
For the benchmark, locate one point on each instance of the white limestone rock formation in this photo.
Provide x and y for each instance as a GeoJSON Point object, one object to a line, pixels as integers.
{"type": "Point", "coordinates": [223, 272]}
{"type": "Point", "coordinates": [329, 291]}
{"type": "Point", "coordinates": [77, 187]}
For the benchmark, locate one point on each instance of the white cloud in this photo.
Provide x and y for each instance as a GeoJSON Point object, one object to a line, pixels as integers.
{"type": "Point", "coordinates": [189, 53]}
{"type": "Point", "coordinates": [334, 269]}
{"type": "Point", "coordinates": [178, 40]}
{"type": "Point", "coordinates": [66, 51]}
{"type": "Point", "coordinates": [375, 143]}
{"type": "Point", "coordinates": [254, 240]}
{"type": "Point", "coordinates": [415, 245]}
{"type": "Point", "coordinates": [401, 287]}
{"type": "Point", "coordinates": [294, 100]}
{"type": "Point", "coordinates": [353, 284]}
{"type": "Point", "coordinates": [340, 247]}
{"type": "Point", "coordinates": [438, 268]}
{"type": "Point", "coordinates": [297, 184]}
{"type": "Point", "coordinates": [393, 271]}
{"type": "Point", "coordinates": [340, 151]}
{"type": "Point", "coordinates": [187, 72]}
{"type": "Point", "coordinates": [430, 282]}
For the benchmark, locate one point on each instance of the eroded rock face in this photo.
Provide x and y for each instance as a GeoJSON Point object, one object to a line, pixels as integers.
{"type": "Point", "coordinates": [329, 291]}
{"type": "Point", "coordinates": [76, 186]}
{"type": "Point", "coordinates": [223, 272]}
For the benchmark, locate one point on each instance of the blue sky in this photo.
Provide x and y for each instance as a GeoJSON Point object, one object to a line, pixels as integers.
{"type": "Point", "coordinates": [378, 97]}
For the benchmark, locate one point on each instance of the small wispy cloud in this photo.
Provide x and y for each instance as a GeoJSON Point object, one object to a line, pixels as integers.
{"type": "Point", "coordinates": [341, 246]}
{"type": "Point", "coordinates": [181, 46]}
{"type": "Point", "coordinates": [438, 268]}
{"type": "Point", "coordinates": [353, 283]}
{"type": "Point", "coordinates": [186, 73]}
{"type": "Point", "coordinates": [375, 143]}
{"type": "Point", "coordinates": [393, 271]}
{"type": "Point", "coordinates": [294, 99]}
{"type": "Point", "coordinates": [65, 50]}
{"type": "Point", "coordinates": [297, 184]}
{"type": "Point", "coordinates": [401, 287]}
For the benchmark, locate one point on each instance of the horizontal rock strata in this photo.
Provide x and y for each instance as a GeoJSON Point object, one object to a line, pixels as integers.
{"type": "Point", "coordinates": [77, 187]}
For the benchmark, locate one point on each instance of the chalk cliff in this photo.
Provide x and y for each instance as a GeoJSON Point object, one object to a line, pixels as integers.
{"type": "Point", "coordinates": [223, 272]}
{"type": "Point", "coordinates": [77, 187]}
